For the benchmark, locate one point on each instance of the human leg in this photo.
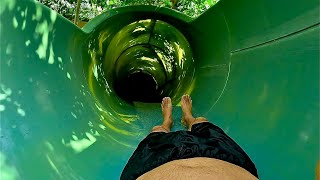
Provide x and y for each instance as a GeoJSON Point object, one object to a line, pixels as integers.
{"type": "Point", "coordinates": [166, 107]}
{"type": "Point", "coordinates": [187, 118]}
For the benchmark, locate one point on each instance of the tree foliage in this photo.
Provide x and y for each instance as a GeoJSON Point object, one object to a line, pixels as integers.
{"type": "Point", "coordinates": [91, 8]}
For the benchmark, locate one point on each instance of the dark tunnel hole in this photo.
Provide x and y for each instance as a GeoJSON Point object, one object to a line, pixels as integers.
{"type": "Point", "coordinates": [138, 86]}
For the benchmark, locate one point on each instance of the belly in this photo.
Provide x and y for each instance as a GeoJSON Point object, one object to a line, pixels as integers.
{"type": "Point", "coordinates": [198, 168]}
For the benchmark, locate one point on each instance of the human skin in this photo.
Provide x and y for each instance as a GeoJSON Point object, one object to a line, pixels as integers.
{"type": "Point", "coordinates": [201, 168]}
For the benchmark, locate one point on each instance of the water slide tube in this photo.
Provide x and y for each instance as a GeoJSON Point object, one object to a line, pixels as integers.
{"type": "Point", "coordinates": [74, 103]}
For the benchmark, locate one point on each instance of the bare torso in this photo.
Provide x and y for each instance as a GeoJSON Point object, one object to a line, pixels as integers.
{"type": "Point", "coordinates": [198, 168]}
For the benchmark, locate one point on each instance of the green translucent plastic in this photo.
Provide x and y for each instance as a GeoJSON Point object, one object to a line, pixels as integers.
{"type": "Point", "coordinates": [252, 68]}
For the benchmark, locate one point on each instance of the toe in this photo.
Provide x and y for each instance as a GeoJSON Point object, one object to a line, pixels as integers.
{"type": "Point", "coordinates": [185, 98]}
{"type": "Point", "coordinates": [166, 102]}
{"type": "Point", "coordinates": [188, 99]}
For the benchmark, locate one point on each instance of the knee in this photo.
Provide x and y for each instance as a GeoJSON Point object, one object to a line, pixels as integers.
{"type": "Point", "coordinates": [156, 128]}
{"type": "Point", "coordinates": [159, 129]}
{"type": "Point", "coordinates": [198, 120]}
{"type": "Point", "coordinates": [201, 119]}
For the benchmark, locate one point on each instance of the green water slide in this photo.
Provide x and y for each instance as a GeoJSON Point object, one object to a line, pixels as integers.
{"type": "Point", "coordinates": [74, 103]}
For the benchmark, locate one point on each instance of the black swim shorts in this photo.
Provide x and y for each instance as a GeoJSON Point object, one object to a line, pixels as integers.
{"type": "Point", "coordinates": [204, 140]}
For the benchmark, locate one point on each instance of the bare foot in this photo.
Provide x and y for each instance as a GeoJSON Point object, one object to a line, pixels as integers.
{"type": "Point", "coordinates": [166, 107]}
{"type": "Point", "coordinates": [186, 105]}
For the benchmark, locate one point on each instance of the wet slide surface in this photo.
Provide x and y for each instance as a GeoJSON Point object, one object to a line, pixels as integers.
{"type": "Point", "coordinates": [70, 107]}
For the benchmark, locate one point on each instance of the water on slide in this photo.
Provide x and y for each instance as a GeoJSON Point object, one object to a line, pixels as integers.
{"type": "Point", "coordinates": [71, 108]}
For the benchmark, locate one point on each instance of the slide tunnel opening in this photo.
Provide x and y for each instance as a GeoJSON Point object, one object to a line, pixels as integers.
{"type": "Point", "coordinates": [138, 86]}
{"type": "Point", "coordinates": [143, 60]}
